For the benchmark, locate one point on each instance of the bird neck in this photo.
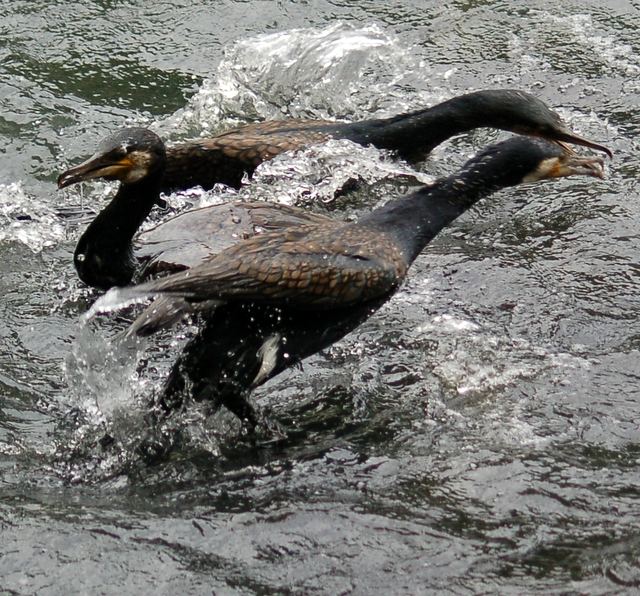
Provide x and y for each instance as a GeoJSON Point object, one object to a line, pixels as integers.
{"type": "Point", "coordinates": [415, 134]}
{"type": "Point", "coordinates": [103, 256]}
{"type": "Point", "coordinates": [414, 220]}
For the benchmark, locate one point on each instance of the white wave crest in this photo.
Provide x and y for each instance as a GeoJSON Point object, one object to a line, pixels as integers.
{"type": "Point", "coordinates": [335, 72]}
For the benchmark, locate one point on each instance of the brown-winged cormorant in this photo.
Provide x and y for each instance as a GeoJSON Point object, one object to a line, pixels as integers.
{"type": "Point", "coordinates": [138, 159]}
{"type": "Point", "coordinates": [228, 156]}
{"type": "Point", "coordinates": [271, 300]}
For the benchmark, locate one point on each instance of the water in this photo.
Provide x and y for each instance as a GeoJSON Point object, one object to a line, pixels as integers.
{"type": "Point", "coordinates": [478, 435]}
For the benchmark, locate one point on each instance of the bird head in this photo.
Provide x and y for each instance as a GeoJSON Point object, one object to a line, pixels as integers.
{"type": "Point", "coordinates": [523, 159]}
{"type": "Point", "coordinates": [548, 160]}
{"type": "Point", "coordinates": [130, 155]}
{"type": "Point", "coordinates": [523, 113]}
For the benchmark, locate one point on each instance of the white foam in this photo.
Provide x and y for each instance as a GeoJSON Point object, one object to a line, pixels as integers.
{"type": "Point", "coordinates": [455, 324]}
{"type": "Point", "coordinates": [27, 220]}
{"type": "Point", "coordinates": [474, 361]}
{"type": "Point", "coordinates": [339, 70]}
{"type": "Point", "coordinates": [313, 174]}
{"type": "Point", "coordinates": [317, 173]}
{"type": "Point", "coordinates": [102, 379]}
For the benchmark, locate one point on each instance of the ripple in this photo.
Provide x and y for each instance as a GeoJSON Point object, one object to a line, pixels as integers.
{"type": "Point", "coordinates": [478, 434]}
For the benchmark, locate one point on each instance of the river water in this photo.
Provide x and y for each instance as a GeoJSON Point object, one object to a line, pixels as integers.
{"type": "Point", "coordinates": [478, 435]}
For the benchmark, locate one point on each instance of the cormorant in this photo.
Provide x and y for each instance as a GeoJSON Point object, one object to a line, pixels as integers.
{"type": "Point", "coordinates": [228, 156]}
{"type": "Point", "coordinates": [104, 256]}
{"type": "Point", "coordinates": [272, 299]}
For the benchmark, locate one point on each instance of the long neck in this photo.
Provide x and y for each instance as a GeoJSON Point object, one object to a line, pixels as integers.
{"type": "Point", "coordinates": [415, 134]}
{"type": "Point", "coordinates": [103, 255]}
{"type": "Point", "coordinates": [414, 220]}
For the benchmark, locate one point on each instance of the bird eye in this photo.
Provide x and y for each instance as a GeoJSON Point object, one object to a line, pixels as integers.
{"type": "Point", "coordinates": [120, 151]}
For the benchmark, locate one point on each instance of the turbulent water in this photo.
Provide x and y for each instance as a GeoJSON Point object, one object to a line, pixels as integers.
{"type": "Point", "coordinates": [479, 434]}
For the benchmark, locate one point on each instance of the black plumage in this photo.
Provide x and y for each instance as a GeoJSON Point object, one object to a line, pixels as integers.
{"type": "Point", "coordinates": [104, 255]}
{"type": "Point", "coordinates": [274, 298]}
{"type": "Point", "coordinates": [227, 157]}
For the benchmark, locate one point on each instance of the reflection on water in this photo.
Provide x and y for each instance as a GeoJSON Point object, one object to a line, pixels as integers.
{"type": "Point", "coordinates": [478, 434]}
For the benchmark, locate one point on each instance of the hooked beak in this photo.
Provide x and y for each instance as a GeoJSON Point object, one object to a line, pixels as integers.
{"type": "Point", "coordinates": [97, 166]}
{"type": "Point", "coordinates": [564, 135]}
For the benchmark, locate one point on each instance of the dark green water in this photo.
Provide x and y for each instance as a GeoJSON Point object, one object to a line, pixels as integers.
{"type": "Point", "coordinates": [478, 435]}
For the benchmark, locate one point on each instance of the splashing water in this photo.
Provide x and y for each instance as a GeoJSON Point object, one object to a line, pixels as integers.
{"type": "Point", "coordinates": [100, 373]}
{"type": "Point", "coordinates": [453, 439]}
{"type": "Point", "coordinates": [320, 73]}
{"type": "Point", "coordinates": [313, 175]}
{"type": "Point", "coordinates": [27, 220]}
{"type": "Point", "coordinates": [320, 173]}
{"type": "Point", "coordinates": [111, 402]}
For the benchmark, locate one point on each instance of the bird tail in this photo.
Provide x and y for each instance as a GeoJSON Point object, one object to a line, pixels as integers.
{"type": "Point", "coordinates": [117, 299]}
{"type": "Point", "coordinates": [163, 312]}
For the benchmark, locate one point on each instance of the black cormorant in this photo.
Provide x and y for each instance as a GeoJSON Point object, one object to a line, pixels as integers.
{"type": "Point", "coordinates": [228, 156]}
{"type": "Point", "coordinates": [104, 256]}
{"type": "Point", "coordinates": [272, 299]}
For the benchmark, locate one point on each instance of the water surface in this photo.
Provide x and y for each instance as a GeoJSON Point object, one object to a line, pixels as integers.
{"type": "Point", "coordinates": [478, 435]}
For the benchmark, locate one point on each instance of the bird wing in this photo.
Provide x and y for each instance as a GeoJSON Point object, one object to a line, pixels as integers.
{"type": "Point", "coordinates": [257, 142]}
{"type": "Point", "coordinates": [312, 266]}
{"type": "Point", "coordinates": [319, 265]}
{"type": "Point", "coordinates": [188, 239]}
{"type": "Point", "coordinates": [227, 157]}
